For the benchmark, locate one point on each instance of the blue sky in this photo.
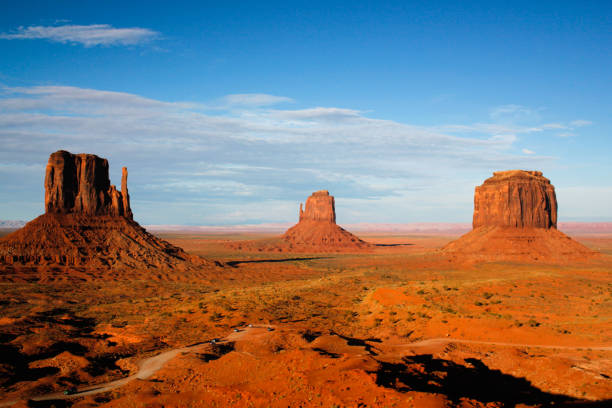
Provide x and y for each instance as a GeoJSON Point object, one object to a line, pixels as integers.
{"type": "Point", "coordinates": [233, 113]}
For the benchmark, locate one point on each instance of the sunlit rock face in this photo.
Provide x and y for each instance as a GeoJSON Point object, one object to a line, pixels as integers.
{"type": "Point", "coordinates": [515, 198]}
{"type": "Point", "coordinates": [317, 229]}
{"type": "Point", "coordinates": [320, 206]}
{"type": "Point", "coordinates": [515, 219]}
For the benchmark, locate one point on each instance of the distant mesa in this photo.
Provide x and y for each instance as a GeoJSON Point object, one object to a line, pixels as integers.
{"type": "Point", "coordinates": [515, 219]}
{"type": "Point", "coordinates": [320, 206]}
{"type": "Point", "coordinates": [316, 231]}
{"type": "Point", "coordinates": [88, 224]}
{"type": "Point", "coordinates": [317, 228]}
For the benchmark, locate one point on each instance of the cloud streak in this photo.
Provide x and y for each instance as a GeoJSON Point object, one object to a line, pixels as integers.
{"type": "Point", "coordinates": [188, 166]}
{"type": "Point", "coordinates": [87, 35]}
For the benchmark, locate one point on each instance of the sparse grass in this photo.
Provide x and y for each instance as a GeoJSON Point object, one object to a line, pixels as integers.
{"type": "Point", "coordinates": [332, 293]}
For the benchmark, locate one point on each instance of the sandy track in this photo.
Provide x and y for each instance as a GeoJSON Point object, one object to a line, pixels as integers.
{"type": "Point", "coordinates": [151, 365]}
{"type": "Point", "coordinates": [443, 340]}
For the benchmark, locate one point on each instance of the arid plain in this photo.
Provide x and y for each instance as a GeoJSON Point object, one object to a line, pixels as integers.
{"type": "Point", "coordinates": [96, 311]}
{"type": "Point", "coordinates": [348, 330]}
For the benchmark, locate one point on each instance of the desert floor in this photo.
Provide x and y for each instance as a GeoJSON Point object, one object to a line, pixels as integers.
{"type": "Point", "coordinates": [398, 326]}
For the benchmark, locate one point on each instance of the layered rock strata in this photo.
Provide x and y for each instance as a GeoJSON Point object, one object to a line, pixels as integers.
{"type": "Point", "coordinates": [515, 219]}
{"type": "Point", "coordinates": [517, 199]}
{"type": "Point", "coordinates": [317, 229]}
{"type": "Point", "coordinates": [88, 224]}
{"type": "Point", "coordinates": [320, 206]}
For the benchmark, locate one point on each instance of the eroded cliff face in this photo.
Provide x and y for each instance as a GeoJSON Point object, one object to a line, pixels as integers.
{"type": "Point", "coordinates": [515, 219]}
{"type": "Point", "coordinates": [515, 198]}
{"type": "Point", "coordinates": [320, 206]}
{"type": "Point", "coordinates": [317, 229]}
{"type": "Point", "coordinates": [88, 225]}
{"type": "Point", "coordinates": [79, 183]}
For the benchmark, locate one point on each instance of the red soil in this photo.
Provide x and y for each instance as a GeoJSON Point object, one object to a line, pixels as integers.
{"type": "Point", "coordinates": [492, 244]}
{"type": "Point", "coordinates": [90, 242]}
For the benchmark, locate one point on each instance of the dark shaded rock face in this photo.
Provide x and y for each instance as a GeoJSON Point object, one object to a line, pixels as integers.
{"type": "Point", "coordinates": [515, 198]}
{"type": "Point", "coordinates": [79, 183]}
{"type": "Point", "coordinates": [320, 206]}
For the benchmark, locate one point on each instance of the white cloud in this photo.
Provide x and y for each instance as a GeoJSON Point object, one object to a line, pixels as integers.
{"type": "Point", "coordinates": [527, 151]}
{"type": "Point", "coordinates": [254, 100]}
{"type": "Point", "coordinates": [318, 113]}
{"type": "Point", "coordinates": [240, 159]}
{"type": "Point", "coordinates": [88, 35]}
{"type": "Point", "coordinates": [514, 113]}
{"type": "Point", "coordinates": [553, 126]}
{"type": "Point", "coordinates": [580, 123]}
{"type": "Point", "coordinates": [566, 134]}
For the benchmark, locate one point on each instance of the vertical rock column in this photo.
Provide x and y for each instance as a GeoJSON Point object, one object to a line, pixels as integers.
{"type": "Point", "coordinates": [127, 211]}
{"type": "Point", "coordinates": [516, 199]}
{"type": "Point", "coordinates": [320, 206]}
{"type": "Point", "coordinates": [80, 184]}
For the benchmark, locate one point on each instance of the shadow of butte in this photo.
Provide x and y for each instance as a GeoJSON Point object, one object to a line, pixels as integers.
{"type": "Point", "coordinates": [234, 263]}
{"type": "Point", "coordinates": [474, 380]}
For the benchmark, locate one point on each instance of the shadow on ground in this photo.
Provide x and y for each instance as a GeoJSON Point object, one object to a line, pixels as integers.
{"type": "Point", "coordinates": [474, 380]}
{"type": "Point", "coordinates": [392, 245]}
{"type": "Point", "coordinates": [235, 263]}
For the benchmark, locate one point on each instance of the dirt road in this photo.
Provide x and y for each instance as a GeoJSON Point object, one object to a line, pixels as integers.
{"type": "Point", "coordinates": [149, 366]}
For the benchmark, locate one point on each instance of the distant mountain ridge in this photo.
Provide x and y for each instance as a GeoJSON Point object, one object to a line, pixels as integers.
{"type": "Point", "coordinates": [570, 227]}
{"type": "Point", "coordinates": [12, 223]}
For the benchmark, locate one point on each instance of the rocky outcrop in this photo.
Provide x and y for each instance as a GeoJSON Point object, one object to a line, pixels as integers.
{"type": "Point", "coordinates": [317, 230]}
{"type": "Point", "coordinates": [99, 242]}
{"type": "Point", "coordinates": [88, 225]}
{"type": "Point", "coordinates": [515, 198]}
{"type": "Point", "coordinates": [79, 184]}
{"type": "Point", "coordinates": [515, 219]}
{"type": "Point", "coordinates": [320, 206]}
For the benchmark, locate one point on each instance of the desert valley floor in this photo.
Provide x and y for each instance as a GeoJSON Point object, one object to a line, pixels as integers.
{"type": "Point", "coordinates": [398, 325]}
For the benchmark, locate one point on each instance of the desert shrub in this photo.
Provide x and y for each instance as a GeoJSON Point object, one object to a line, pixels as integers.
{"type": "Point", "coordinates": [216, 316]}
{"type": "Point", "coordinates": [533, 323]}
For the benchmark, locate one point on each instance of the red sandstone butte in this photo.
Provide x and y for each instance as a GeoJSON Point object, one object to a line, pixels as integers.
{"type": "Point", "coordinates": [515, 198]}
{"type": "Point", "coordinates": [317, 229]}
{"type": "Point", "coordinates": [88, 224]}
{"type": "Point", "coordinates": [320, 206]}
{"type": "Point", "coordinates": [79, 183]}
{"type": "Point", "coordinates": [515, 219]}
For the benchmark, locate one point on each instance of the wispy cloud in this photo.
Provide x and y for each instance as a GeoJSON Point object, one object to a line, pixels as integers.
{"type": "Point", "coordinates": [254, 100]}
{"type": "Point", "coordinates": [87, 35]}
{"type": "Point", "coordinates": [580, 123]}
{"type": "Point", "coordinates": [514, 113]}
{"type": "Point", "coordinates": [240, 160]}
{"type": "Point", "coordinates": [566, 134]}
{"type": "Point", "coordinates": [527, 151]}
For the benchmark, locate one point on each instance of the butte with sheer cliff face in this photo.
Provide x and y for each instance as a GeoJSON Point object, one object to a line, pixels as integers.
{"type": "Point", "coordinates": [515, 219]}
{"type": "Point", "coordinates": [317, 229]}
{"type": "Point", "coordinates": [88, 224]}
